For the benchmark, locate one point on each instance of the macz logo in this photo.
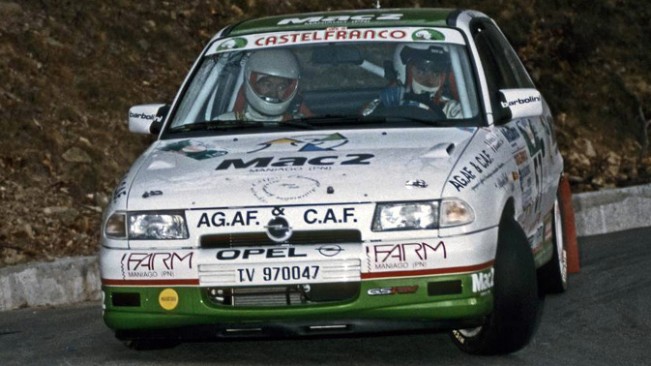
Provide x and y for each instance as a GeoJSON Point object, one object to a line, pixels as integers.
{"type": "Point", "coordinates": [266, 162]}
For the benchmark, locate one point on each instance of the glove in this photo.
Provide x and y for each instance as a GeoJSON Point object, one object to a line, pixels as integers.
{"type": "Point", "coordinates": [392, 96]}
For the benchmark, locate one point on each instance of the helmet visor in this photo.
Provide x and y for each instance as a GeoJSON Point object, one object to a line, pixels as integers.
{"type": "Point", "coordinates": [432, 59]}
{"type": "Point", "coordinates": [427, 66]}
{"type": "Point", "coordinates": [273, 89]}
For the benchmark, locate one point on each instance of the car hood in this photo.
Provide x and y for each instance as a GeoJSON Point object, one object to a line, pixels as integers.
{"type": "Point", "coordinates": [296, 168]}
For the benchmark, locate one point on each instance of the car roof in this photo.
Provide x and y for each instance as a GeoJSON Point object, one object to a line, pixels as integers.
{"type": "Point", "coordinates": [350, 19]}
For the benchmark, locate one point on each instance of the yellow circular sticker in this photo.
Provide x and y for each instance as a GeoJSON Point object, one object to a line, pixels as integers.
{"type": "Point", "coordinates": [168, 299]}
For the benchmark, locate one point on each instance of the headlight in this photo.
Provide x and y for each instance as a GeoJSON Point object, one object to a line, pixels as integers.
{"type": "Point", "coordinates": [157, 225]}
{"type": "Point", "coordinates": [406, 216]}
{"type": "Point", "coordinates": [116, 227]}
{"type": "Point", "coordinates": [455, 212]}
{"type": "Point", "coordinates": [422, 215]}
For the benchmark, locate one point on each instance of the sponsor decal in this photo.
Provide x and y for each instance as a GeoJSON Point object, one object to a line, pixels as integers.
{"type": "Point", "coordinates": [535, 144]}
{"type": "Point", "coordinates": [428, 35]}
{"type": "Point", "coordinates": [405, 256]}
{"type": "Point", "coordinates": [520, 101]}
{"type": "Point", "coordinates": [511, 133]}
{"type": "Point", "coordinates": [152, 194]}
{"type": "Point", "coordinates": [494, 142]}
{"type": "Point", "coordinates": [487, 176]}
{"type": "Point", "coordinates": [483, 281]}
{"type": "Point", "coordinates": [417, 183]}
{"type": "Point", "coordinates": [273, 164]}
{"type": "Point", "coordinates": [258, 253]}
{"type": "Point", "coordinates": [335, 30]}
{"type": "Point", "coordinates": [291, 188]}
{"type": "Point", "coordinates": [502, 181]}
{"type": "Point", "coordinates": [357, 18]}
{"type": "Point", "coordinates": [339, 215]}
{"type": "Point", "coordinates": [520, 157]}
{"type": "Point", "coordinates": [321, 142]}
{"type": "Point", "coordinates": [533, 170]}
{"type": "Point", "coordinates": [228, 218]}
{"type": "Point", "coordinates": [193, 149]}
{"type": "Point", "coordinates": [253, 217]}
{"type": "Point", "coordinates": [329, 35]}
{"type": "Point", "coordinates": [231, 44]}
{"type": "Point", "coordinates": [151, 117]}
{"type": "Point", "coordinates": [155, 264]}
{"type": "Point", "coordinates": [120, 191]}
{"type": "Point", "coordinates": [168, 299]}
{"type": "Point", "coordinates": [469, 173]}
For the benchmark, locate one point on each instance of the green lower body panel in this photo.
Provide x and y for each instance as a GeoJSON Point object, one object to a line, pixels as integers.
{"type": "Point", "coordinates": [442, 302]}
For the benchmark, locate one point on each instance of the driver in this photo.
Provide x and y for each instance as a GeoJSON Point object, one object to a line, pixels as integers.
{"type": "Point", "coordinates": [422, 70]}
{"type": "Point", "coordinates": [270, 88]}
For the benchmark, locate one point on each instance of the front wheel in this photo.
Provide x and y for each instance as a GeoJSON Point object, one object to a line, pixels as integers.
{"type": "Point", "coordinates": [517, 305]}
{"type": "Point", "coordinates": [553, 275]}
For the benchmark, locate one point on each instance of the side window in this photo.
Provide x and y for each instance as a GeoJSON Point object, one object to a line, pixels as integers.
{"type": "Point", "coordinates": [502, 66]}
{"type": "Point", "coordinates": [495, 78]}
{"type": "Point", "coordinates": [515, 66]}
{"type": "Point", "coordinates": [496, 51]}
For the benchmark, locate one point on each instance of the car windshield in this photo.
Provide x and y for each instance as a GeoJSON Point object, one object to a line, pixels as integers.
{"type": "Point", "coordinates": [395, 77]}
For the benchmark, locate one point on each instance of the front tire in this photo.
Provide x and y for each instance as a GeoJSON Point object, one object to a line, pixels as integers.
{"type": "Point", "coordinates": [517, 305]}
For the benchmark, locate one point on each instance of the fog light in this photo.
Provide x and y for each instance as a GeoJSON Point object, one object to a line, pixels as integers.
{"type": "Point", "coordinates": [392, 290]}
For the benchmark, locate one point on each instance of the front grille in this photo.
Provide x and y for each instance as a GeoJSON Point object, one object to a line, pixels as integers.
{"type": "Point", "coordinates": [277, 296]}
{"type": "Point", "coordinates": [219, 241]}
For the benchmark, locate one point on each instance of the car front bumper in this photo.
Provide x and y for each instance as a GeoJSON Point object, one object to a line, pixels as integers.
{"type": "Point", "coordinates": [458, 295]}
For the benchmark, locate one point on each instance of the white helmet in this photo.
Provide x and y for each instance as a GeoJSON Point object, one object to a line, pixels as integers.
{"type": "Point", "coordinates": [272, 62]}
{"type": "Point", "coordinates": [432, 55]}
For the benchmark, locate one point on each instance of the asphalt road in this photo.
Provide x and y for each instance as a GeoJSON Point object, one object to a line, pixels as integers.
{"type": "Point", "coordinates": [604, 319]}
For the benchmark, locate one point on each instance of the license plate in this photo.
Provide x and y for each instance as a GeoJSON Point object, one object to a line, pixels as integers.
{"type": "Point", "coordinates": [278, 274]}
{"type": "Point", "coordinates": [255, 274]}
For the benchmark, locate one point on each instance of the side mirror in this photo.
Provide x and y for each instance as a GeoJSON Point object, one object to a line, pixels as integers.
{"type": "Point", "coordinates": [147, 118]}
{"type": "Point", "coordinates": [521, 103]}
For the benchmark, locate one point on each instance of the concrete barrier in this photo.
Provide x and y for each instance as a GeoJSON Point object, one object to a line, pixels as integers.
{"type": "Point", "coordinates": [63, 281]}
{"type": "Point", "coordinates": [612, 210]}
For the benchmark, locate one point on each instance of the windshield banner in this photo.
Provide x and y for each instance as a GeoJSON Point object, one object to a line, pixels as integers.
{"type": "Point", "coordinates": [336, 34]}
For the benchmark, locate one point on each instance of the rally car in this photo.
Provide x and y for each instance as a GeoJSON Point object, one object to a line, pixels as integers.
{"type": "Point", "coordinates": [336, 173]}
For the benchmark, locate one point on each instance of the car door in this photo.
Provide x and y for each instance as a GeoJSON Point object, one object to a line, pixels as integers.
{"type": "Point", "coordinates": [529, 138]}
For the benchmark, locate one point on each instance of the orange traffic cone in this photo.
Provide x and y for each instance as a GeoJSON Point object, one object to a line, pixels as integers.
{"type": "Point", "coordinates": [569, 227]}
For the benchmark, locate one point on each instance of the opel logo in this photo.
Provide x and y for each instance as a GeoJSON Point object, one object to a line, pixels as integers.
{"type": "Point", "coordinates": [330, 250]}
{"type": "Point", "coordinates": [278, 229]}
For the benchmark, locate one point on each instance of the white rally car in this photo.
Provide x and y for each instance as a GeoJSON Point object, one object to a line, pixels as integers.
{"type": "Point", "coordinates": [341, 172]}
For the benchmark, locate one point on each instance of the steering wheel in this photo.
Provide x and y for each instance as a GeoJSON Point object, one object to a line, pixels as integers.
{"type": "Point", "coordinates": [417, 111]}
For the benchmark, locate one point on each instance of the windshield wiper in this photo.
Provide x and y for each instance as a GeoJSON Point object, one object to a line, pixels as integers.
{"type": "Point", "coordinates": [299, 122]}
{"type": "Point", "coordinates": [428, 122]}
{"type": "Point", "coordinates": [217, 124]}
{"type": "Point", "coordinates": [333, 120]}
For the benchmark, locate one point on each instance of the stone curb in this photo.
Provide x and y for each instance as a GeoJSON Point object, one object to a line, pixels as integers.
{"type": "Point", "coordinates": [63, 281]}
{"type": "Point", "coordinates": [612, 210]}
{"type": "Point", "coordinates": [74, 280]}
